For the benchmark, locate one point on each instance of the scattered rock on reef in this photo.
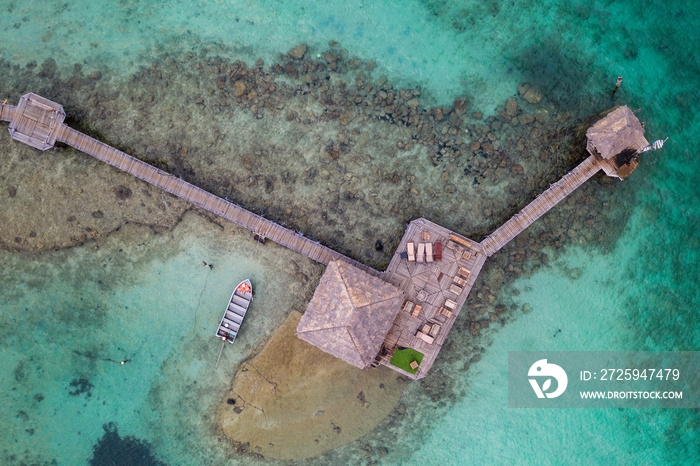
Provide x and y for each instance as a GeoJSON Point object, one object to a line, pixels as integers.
{"type": "Point", "coordinates": [298, 51]}
{"type": "Point", "coordinates": [511, 107]}
{"type": "Point", "coordinates": [291, 70]}
{"type": "Point", "coordinates": [460, 106]}
{"type": "Point", "coordinates": [526, 119]}
{"type": "Point", "coordinates": [12, 191]}
{"type": "Point", "coordinates": [122, 192]}
{"type": "Point", "coordinates": [239, 88]}
{"type": "Point", "coordinates": [532, 94]}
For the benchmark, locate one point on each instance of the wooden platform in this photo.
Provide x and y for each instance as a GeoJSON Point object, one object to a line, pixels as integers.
{"type": "Point", "coordinates": [541, 205]}
{"type": "Point", "coordinates": [35, 121]}
{"type": "Point", "coordinates": [434, 280]}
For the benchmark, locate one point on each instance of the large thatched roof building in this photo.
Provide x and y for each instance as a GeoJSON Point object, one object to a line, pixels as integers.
{"type": "Point", "coordinates": [350, 314]}
{"type": "Point", "coordinates": [615, 140]}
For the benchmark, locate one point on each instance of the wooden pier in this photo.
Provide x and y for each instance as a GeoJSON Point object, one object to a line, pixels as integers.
{"type": "Point", "coordinates": [434, 281]}
{"type": "Point", "coordinates": [260, 226]}
{"type": "Point", "coordinates": [540, 206]}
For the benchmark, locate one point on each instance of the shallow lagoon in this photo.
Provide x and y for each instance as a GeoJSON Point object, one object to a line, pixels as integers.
{"type": "Point", "coordinates": [631, 287]}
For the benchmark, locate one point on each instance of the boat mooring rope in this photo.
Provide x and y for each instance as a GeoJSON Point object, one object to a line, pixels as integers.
{"type": "Point", "coordinates": [199, 301]}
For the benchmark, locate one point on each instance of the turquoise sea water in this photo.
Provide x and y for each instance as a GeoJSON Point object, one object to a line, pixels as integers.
{"type": "Point", "coordinates": [146, 297]}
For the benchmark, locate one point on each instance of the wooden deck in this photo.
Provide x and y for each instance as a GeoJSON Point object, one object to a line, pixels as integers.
{"type": "Point", "coordinates": [258, 225]}
{"type": "Point", "coordinates": [430, 285]}
{"type": "Point", "coordinates": [541, 205]}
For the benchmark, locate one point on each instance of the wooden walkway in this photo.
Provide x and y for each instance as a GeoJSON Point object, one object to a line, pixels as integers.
{"type": "Point", "coordinates": [540, 206]}
{"type": "Point", "coordinates": [201, 198]}
{"type": "Point", "coordinates": [7, 112]}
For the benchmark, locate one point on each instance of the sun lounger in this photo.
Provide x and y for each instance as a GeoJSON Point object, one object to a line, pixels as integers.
{"type": "Point", "coordinates": [438, 251]}
{"type": "Point", "coordinates": [426, 328]}
{"type": "Point", "coordinates": [450, 304]}
{"type": "Point", "coordinates": [408, 307]}
{"type": "Point", "coordinates": [435, 330]}
{"type": "Point", "coordinates": [426, 338]}
{"type": "Point", "coordinates": [420, 257]}
{"type": "Point", "coordinates": [461, 241]}
{"type": "Point", "coordinates": [464, 272]}
{"type": "Point", "coordinates": [411, 251]}
{"type": "Point", "coordinates": [416, 311]}
{"type": "Point", "coordinates": [459, 281]}
{"type": "Point", "coordinates": [456, 289]}
{"type": "Point", "coordinates": [445, 312]}
{"type": "Point", "coordinates": [428, 252]}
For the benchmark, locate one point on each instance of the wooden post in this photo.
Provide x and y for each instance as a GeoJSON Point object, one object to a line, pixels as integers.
{"type": "Point", "coordinates": [617, 86]}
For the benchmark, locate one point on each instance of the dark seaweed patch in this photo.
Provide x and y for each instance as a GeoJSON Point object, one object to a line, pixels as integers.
{"type": "Point", "coordinates": [80, 386]}
{"type": "Point", "coordinates": [122, 192]}
{"type": "Point", "coordinates": [114, 450]}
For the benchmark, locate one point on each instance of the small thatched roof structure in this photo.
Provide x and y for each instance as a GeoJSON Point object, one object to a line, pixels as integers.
{"type": "Point", "coordinates": [615, 140]}
{"type": "Point", "coordinates": [350, 314]}
{"type": "Point", "coordinates": [618, 131]}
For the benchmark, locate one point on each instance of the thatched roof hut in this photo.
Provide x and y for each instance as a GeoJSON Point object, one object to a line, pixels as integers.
{"type": "Point", "coordinates": [616, 139]}
{"type": "Point", "coordinates": [350, 314]}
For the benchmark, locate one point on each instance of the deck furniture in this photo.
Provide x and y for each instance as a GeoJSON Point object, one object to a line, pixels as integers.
{"type": "Point", "coordinates": [416, 311]}
{"type": "Point", "coordinates": [438, 251]}
{"type": "Point", "coordinates": [428, 252]}
{"type": "Point", "coordinates": [450, 304]}
{"type": "Point", "coordinates": [426, 338]}
{"type": "Point", "coordinates": [445, 312]}
{"type": "Point", "coordinates": [466, 255]}
{"type": "Point", "coordinates": [461, 241]}
{"type": "Point", "coordinates": [422, 294]}
{"type": "Point", "coordinates": [414, 365]}
{"type": "Point", "coordinates": [434, 330]}
{"type": "Point", "coordinates": [459, 281]}
{"type": "Point", "coordinates": [408, 307]}
{"type": "Point", "coordinates": [456, 289]}
{"type": "Point", "coordinates": [425, 236]}
{"type": "Point", "coordinates": [464, 272]}
{"type": "Point", "coordinates": [420, 257]}
{"type": "Point", "coordinates": [411, 251]}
